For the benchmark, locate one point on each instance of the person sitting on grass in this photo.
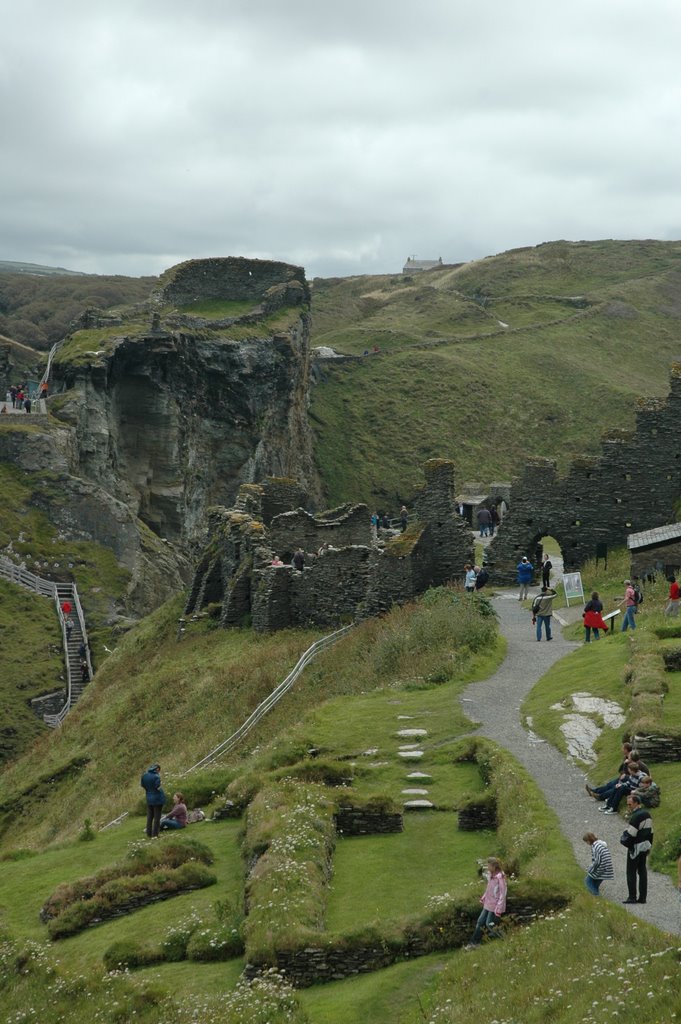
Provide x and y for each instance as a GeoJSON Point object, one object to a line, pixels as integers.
{"type": "Point", "coordinates": [626, 785]}
{"type": "Point", "coordinates": [648, 792]}
{"type": "Point", "coordinates": [628, 754]}
{"type": "Point", "coordinates": [177, 818]}
{"type": "Point", "coordinates": [493, 904]}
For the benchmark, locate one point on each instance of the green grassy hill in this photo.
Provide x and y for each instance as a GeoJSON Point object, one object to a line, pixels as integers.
{"type": "Point", "coordinates": [160, 697]}
{"type": "Point", "coordinates": [589, 327]}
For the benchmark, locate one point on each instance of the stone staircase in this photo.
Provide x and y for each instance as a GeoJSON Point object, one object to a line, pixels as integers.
{"type": "Point", "coordinates": [65, 596]}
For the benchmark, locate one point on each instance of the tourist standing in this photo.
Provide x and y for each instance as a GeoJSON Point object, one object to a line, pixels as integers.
{"type": "Point", "coordinates": [493, 904]}
{"type": "Point", "coordinates": [484, 520]}
{"type": "Point", "coordinates": [298, 560]}
{"type": "Point", "coordinates": [546, 567]}
{"type": "Point", "coordinates": [481, 577]}
{"type": "Point", "coordinates": [542, 609]}
{"type": "Point", "coordinates": [404, 515]}
{"type": "Point", "coordinates": [601, 867]}
{"type": "Point", "coordinates": [638, 839]}
{"type": "Point", "coordinates": [629, 603]}
{"type": "Point", "coordinates": [674, 595]}
{"type": "Point", "coordinates": [151, 784]}
{"type": "Point", "coordinates": [495, 519]}
{"type": "Point", "coordinates": [469, 582]}
{"type": "Point", "coordinates": [525, 574]}
{"type": "Point", "coordinates": [593, 618]}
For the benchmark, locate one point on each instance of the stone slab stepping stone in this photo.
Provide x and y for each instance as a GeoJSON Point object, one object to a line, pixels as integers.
{"type": "Point", "coordinates": [415, 792]}
{"type": "Point", "coordinates": [418, 805]}
{"type": "Point", "coordinates": [406, 733]}
{"type": "Point", "coordinates": [405, 718]}
{"type": "Point", "coordinates": [410, 755]}
{"type": "Point", "coordinates": [370, 753]}
{"type": "Point", "coordinates": [420, 775]}
{"type": "Point", "coordinates": [408, 746]}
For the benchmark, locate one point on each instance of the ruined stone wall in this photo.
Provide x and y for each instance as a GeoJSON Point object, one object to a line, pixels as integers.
{"type": "Point", "coordinates": [332, 588]}
{"type": "Point", "coordinates": [300, 529]}
{"type": "Point", "coordinates": [232, 278]}
{"type": "Point", "coordinates": [633, 485]}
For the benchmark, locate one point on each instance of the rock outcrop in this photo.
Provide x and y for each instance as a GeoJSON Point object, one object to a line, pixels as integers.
{"type": "Point", "coordinates": [166, 409]}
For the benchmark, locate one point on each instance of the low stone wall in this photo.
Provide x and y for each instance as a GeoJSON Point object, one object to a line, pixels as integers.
{"type": "Point", "coordinates": [672, 660]}
{"type": "Point", "coordinates": [658, 748]}
{"type": "Point", "coordinates": [360, 821]}
{"type": "Point", "coordinates": [476, 817]}
{"type": "Point", "coordinates": [314, 965]}
{"type": "Point", "coordinates": [49, 703]}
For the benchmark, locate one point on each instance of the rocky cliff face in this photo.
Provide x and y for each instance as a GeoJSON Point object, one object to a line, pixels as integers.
{"type": "Point", "coordinates": [166, 412]}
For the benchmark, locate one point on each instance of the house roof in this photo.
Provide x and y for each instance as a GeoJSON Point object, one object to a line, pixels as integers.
{"type": "Point", "coordinates": [421, 264]}
{"type": "Point", "coordinates": [659, 535]}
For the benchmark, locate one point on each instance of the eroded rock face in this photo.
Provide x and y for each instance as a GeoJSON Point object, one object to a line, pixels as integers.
{"type": "Point", "coordinates": [173, 424]}
{"type": "Point", "coordinates": [172, 410]}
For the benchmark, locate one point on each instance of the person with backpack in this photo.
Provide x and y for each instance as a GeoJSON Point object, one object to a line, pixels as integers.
{"type": "Point", "coordinates": [542, 609]}
{"type": "Point", "coordinates": [630, 604]}
{"type": "Point", "coordinates": [525, 574]}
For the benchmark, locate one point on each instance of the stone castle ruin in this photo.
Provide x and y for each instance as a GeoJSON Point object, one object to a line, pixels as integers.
{"type": "Point", "coordinates": [357, 575]}
{"type": "Point", "coordinates": [633, 485]}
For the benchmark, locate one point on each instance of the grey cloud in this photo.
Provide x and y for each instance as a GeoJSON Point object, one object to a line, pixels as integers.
{"type": "Point", "coordinates": [339, 136]}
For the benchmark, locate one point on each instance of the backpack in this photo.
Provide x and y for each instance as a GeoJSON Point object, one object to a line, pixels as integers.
{"type": "Point", "coordinates": [638, 595]}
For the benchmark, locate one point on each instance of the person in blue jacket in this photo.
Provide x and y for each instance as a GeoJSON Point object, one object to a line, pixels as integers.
{"type": "Point", "coordinates": [525, 574]}
{"type": "Point", "coordinates": [151, 784]}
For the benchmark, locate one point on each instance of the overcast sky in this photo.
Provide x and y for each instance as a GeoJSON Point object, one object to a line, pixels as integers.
{"type": "Point", "coordinates": [337, 134]}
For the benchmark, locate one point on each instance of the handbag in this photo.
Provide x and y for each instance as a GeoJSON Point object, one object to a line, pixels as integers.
{"type": "Point", "coordinates": [626, 839]}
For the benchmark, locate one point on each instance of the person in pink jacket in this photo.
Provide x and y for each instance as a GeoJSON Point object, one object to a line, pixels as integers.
{"type": "Point", "coordinates": [493, 904]}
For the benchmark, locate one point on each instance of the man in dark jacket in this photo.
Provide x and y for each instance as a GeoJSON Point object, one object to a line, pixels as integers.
{"type": "Point", "coordinates": [639, 835]}
{"type": "Point", "coordinates": [151, 784]}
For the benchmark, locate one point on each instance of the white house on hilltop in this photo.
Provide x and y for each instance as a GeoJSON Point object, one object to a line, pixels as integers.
{"type": "Point", "coordinates": [413, 264]}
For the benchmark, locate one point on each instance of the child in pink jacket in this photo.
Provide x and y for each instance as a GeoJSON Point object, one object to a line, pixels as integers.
{"type": "Point", "coordinates": [493, 904]}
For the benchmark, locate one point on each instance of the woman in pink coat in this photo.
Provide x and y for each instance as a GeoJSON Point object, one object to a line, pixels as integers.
{"type": "Point", "coordinates": [493, 904]}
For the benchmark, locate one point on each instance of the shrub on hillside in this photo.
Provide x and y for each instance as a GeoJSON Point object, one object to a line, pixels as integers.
{"type": "Point", "coordinates": [148, 873]}
{"type": "Point", "coordinates": [123, 895]}
{"type": "Point", "coordinates": [328, 773]}
{"type": "Point", "coordinates": [127, 954]}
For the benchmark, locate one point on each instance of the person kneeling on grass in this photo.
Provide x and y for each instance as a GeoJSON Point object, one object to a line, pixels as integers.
{"type": "Point", "coordinates": [177, 818]}
{"type": "Point", "coordinates": [601, 863]}
{"type": "Point", "coordinates": [493, 904]}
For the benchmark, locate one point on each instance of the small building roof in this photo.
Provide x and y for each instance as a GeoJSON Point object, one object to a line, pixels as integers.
{"type": "Point", "coordinates": [660, 535]}
{"type": "Point", "coordinates": [414, 264]}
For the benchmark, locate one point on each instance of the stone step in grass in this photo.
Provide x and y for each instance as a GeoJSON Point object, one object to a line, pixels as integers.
{"type": "Point", "coordinates": [420, 775]}
{"type": "Point", "coordinates": [410, 755]}
{"type": "Point", "coordinates": [407, 733]}
{"type": "Point", "coordinates": [418, 805]}
{"type": "Point", "coordinates": [409, 746]}
{"type": "Point", "coordinates": [414, 792]}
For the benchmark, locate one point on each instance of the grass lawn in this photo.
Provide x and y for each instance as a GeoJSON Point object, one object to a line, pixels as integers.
{"type": "Point", "coordinates": [380, 997]}
{"type": "Point", "coordinates": [384, 878]}
{"type": "Point", "coordinates": [26, 883]}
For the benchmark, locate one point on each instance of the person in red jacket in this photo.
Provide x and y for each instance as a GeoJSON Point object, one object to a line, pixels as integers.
{"type": "Point", "coordinates": [674, 594]}
{"type": "Point", "coordinates": [593, 618]}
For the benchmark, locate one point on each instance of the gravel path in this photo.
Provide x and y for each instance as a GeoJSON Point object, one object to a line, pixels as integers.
{"type": "Point", "coordinates": [495, 704]}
